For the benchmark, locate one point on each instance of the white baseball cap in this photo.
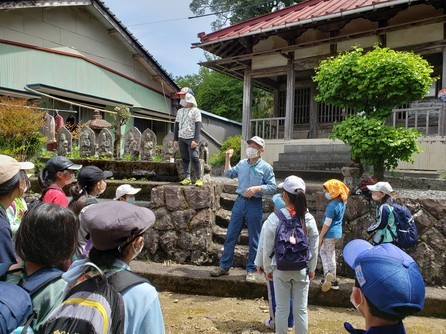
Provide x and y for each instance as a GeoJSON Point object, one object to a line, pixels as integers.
{"type": "Point", "coordinates": [384, 187]}
{"type": "Point", "coordinates": [293, 183]}
{"type": "Point", "coordinates": [126, 189]}
{"type": "Point", "coordinates": [256, 139]}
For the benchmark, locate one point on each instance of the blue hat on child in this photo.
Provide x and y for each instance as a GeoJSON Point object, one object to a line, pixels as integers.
{"type": "Point", "coordinates": [387, 276]}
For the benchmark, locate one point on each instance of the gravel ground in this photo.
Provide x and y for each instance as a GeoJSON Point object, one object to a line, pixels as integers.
{"type": "Point", "coordinates": [404, 193]}
{"type": "Point", "coordinates": [187, 314]}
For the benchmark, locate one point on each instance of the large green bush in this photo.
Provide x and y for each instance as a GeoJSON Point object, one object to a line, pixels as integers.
{"type": "Point", "coordinates": [235, 143]}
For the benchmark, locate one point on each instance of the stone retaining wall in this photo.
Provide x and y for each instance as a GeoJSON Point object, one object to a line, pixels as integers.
{"type": "Point", "coordinates": [429, 216]}
{"type": "Point", "coordinates": [186, 217]}
{"type": "Point", "coordinates": [183, 229]}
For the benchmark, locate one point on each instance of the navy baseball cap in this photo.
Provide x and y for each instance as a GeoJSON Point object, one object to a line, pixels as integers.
{"type": "Point", "coordinates": [90, 175]}
{"type": "Point", "coordinates": [60, 163]}
{"type": "Point", "coordinates": [387, 276]}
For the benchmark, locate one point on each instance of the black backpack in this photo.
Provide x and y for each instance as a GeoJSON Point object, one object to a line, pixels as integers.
{"type": "Point", "coordinates": [93, 306]}
{"type": "Point", "coordinates": [290, 244]}
{"type": "Point", "coordinates": [37, 201]}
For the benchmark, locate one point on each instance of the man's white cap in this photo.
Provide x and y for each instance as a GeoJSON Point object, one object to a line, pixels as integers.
{"type": "Point", "coordinates": [280, 185]}
{"type": "Point", "coordinates": [125, 189]}
{"type": "Point", "coordinates": [384, 187]}
{"type": "Point", "coordinates": [256, 139]}
{"type": "Point", "coordinates": [293, 183]}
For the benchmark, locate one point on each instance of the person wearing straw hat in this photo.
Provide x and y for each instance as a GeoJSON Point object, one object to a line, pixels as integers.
{"type": "Point", "coordinates": [13, 182]}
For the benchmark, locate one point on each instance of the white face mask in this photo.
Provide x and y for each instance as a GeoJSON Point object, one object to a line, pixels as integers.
{"type": "Point", "coordinates": [183, 102]}
{"type": "Point", "coordinates": [328, 196]}
{"type": "Point", "coordinates": [352, 298]}
{"type": "Point", "coordinates": [130, 200]}
{"type": "Point", "coordinates": [137, 251]}
{"type": "Point", "coordinates": [251, 152]}
{"type": "Point", "coordinates": [376, 198]}
{"type": "Point", "coordinates": [101, 191]}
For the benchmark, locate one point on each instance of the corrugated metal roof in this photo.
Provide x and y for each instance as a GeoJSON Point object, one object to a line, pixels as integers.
{"type": "Point", "coordinates": [305, 12]}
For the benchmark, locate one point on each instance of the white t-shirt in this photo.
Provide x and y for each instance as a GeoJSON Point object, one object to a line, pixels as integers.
{"type": "Point", "coordinates": [186, 118]}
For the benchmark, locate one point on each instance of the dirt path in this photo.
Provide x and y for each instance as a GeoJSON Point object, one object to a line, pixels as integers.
{"type": "Point", "coordinates": [185, 314]}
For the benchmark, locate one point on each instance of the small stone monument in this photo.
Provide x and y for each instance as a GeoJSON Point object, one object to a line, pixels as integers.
{"type": "Point", "coordinates": [148, 145]}
{"type": "Point", "coordinates": [87, 142]}
{"type": "Point", "coordinates": [169, 149]}
{"type": "Point", "coordinates": [64, 141]}
{"type": "Point", "coordinates": [132, 142]}
{"type": "Point", "coordinates": [203, 150]}
{"type": "Point", "coordinates": [105, 148]}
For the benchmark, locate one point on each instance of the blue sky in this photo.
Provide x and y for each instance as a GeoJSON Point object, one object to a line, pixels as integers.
{"type": "Point", "coordinates": [169, 42]}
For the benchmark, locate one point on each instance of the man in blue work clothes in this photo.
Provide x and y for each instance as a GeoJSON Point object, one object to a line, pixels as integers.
{"type": "Point", "coordinates": [256, 178]}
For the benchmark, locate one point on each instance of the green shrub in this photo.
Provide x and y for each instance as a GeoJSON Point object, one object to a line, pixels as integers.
{"type": "Point", "coordinates": [234, 142]}
{"type": "Point", "coordinates": [19, 129]}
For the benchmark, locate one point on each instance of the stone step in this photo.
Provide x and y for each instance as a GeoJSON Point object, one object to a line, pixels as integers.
{"type": "Point", "coordinates": [191, 280]}
{"type": "Point", "coordinates": [314, 156]}
{"type": "Point", "coordinates": [227, 202]}
{"type": "Point", "coordinates": [309, 175]}
{"type": "Point", "coordinates": [222, 217]}
{"type": "Point", "coordinates": [309, 165]}
{"type": "Point", "coordinates": [219, 236]}
{"type": "Point", "coordinates": [323, 148]}
{"type": "Point", "coordinates": [240, 255]}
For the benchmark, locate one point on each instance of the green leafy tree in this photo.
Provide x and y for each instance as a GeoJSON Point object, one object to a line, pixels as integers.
{"type": "Point", "coordinates": [372, 84]}
{"type": "Point", "coordinates": [222, 95]}
{"type": "Point", "coordinates": [19, 129]}
{"type": "Point", "coordinates": [234, 142]}
{"type": "Point", "coordinates": [234, 11]}
{"type": "Point", "coordinates": [374, 143]}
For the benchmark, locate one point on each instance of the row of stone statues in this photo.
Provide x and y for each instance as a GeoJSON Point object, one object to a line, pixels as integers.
{"type": "Point", "coordinates": [137, 145]}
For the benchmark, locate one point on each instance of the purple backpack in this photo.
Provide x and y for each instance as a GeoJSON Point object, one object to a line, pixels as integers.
{"type": "Point", "coordinates": [290, 244]}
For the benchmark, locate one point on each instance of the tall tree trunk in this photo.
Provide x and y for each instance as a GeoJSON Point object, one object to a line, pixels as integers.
{"type": "Point", "coordinates": [378, 169]}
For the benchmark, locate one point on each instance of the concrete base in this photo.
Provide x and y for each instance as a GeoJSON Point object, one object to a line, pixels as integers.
{"type": "Point", "coordinates": [189, 279]}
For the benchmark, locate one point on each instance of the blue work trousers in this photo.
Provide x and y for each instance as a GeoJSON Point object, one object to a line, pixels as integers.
{"type": "Point", "coordinates": [245, 211]}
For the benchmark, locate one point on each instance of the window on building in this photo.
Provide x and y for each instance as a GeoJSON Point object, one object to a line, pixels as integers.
{"type": "Point", "coordinates": [302, 105]}
{"type": "Point", "coordinates": [328, 113]}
